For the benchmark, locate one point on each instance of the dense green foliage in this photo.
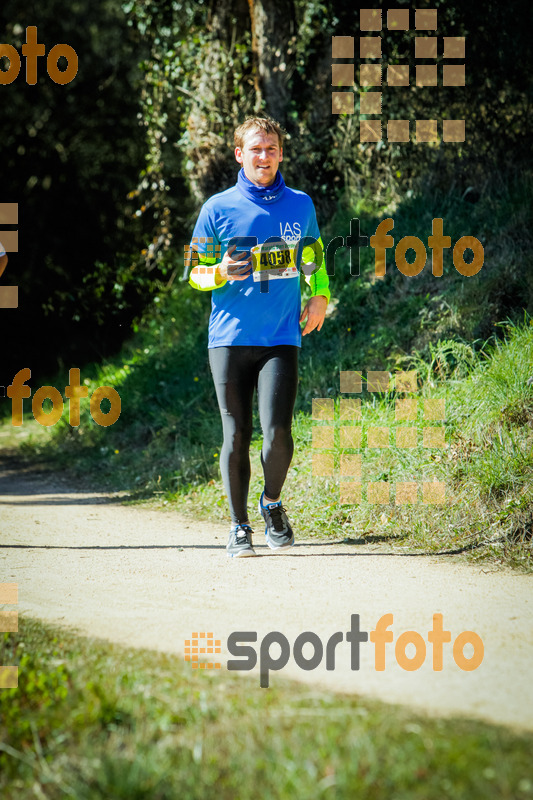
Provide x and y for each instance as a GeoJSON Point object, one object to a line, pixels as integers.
{"type": "Point", "coordinates": [205, 72]}
{"type": "Point", "coordinates": [69, 155]}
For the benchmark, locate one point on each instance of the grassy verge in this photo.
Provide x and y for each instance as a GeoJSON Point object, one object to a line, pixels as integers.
{"type": "Point", "coordinates": [486, 463]}
{"type": "Point", "coordinates": [92, 720]}
{"type": "Point", "coordinates": [165, 445]}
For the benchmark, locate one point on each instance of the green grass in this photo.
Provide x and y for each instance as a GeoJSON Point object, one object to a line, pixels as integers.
{"type": "Point", "coordinates": [486, 466]}
{"type": "Point", "coordinates": [165, 445]}
{"type": "Point", "coordinates": [92, 720]}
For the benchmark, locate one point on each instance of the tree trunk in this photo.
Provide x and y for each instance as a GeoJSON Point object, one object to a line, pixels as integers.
{"type": "Point", "coordinates": [218, 108]}
{"type": "Point", "coordinates": [273, 26]}
{"type": "Point", "coordinates": [215, 103]}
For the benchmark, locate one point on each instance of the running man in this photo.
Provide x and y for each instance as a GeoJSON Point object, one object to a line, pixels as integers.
{"type": "Point", "coordinates": [254, 327]}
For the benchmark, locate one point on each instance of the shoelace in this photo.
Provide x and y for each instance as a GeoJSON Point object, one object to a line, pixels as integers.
{"type": "Point", "coordinates": [241, 534]}
{"type": "Point", "coordinates": [277, 520]}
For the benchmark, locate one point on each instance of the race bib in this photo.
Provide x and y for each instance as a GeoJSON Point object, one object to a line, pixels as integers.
{"type": "Point", "coordinates": [270, 262]}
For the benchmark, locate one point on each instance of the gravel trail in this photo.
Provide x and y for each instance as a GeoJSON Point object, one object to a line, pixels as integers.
{"type": "Point", "coordinates": [151, 577]}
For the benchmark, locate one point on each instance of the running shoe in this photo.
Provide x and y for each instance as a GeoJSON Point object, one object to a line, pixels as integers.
{"type": "Point", "coordinates": [278, 532]}
{"type": "Point", "coordinates": [240, 542]}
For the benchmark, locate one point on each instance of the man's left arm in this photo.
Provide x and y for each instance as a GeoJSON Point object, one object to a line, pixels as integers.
{"type": "Point", "coordinates": [314, 269]}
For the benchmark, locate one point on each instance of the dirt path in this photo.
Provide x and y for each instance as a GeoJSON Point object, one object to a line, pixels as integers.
{"type": "Point", "coordinates": [150, 578]}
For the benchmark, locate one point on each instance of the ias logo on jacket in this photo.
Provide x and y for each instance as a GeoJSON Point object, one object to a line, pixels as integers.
{"type": "Point", "coordinates": [290, 231]}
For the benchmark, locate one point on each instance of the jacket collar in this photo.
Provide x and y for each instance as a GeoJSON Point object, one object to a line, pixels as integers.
{"type": "Point", "coordinates": [264, 195]}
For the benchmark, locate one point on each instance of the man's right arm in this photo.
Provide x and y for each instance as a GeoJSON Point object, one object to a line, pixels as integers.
{"type": "Point", "coordinates": [210, 271]}
{"type": "Point", "coordinates": [202, 253]}
{"type": "Point", "coordinates": [206, 275]}
{"type": "Point", "coordinates": [209, 275]}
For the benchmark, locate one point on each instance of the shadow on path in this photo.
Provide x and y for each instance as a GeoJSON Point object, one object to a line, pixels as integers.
{"type": "Point", "coordinates": [223, 547]}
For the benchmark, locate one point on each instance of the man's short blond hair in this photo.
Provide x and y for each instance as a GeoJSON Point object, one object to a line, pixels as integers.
{"type": "Point", "coordinates": [265, 124]}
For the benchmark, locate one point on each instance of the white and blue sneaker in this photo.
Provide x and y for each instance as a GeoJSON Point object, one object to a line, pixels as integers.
{"type": "Point", "coordinates": [240, 542]}
{"type": "Point", "coordinates": [278, 532]}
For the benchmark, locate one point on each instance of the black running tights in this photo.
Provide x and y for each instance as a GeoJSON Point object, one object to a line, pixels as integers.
{"type": "Point", "coordinates": [237, 371]}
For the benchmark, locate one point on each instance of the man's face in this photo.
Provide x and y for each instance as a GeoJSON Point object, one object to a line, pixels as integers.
{"type": "Point", "coordinates": [260, 157]}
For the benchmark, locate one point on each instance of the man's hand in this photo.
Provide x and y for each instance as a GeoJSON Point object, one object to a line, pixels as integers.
{"type": "Point", "coordinates": [315, 311]}
{"type": "Point", "coordinates": [232, 269]}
